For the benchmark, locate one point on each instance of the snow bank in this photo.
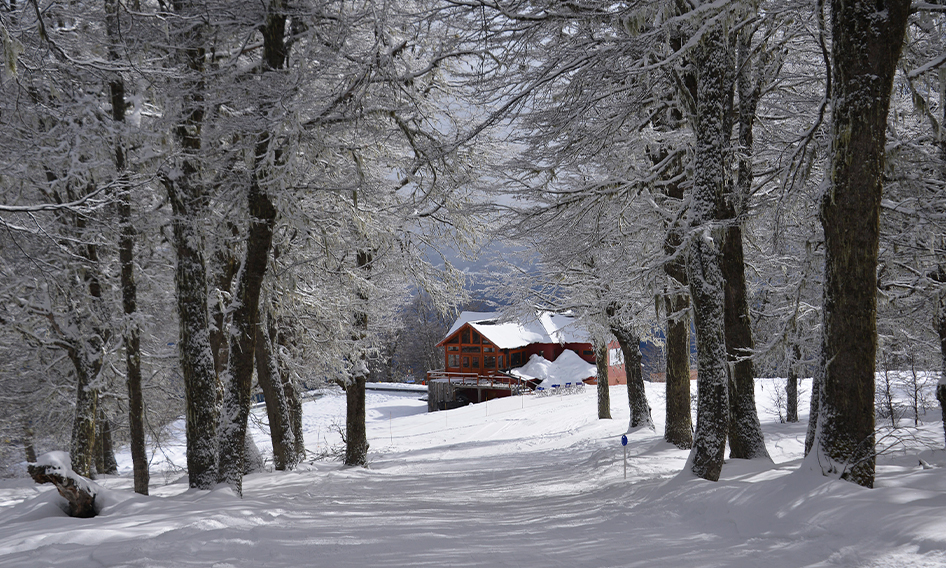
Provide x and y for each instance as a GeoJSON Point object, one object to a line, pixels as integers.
{"type": "Point", "coordinates": [568, 368]}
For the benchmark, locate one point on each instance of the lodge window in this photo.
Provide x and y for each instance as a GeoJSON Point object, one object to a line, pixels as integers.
{"type": "Point", "coordinates": [476, 338]}
{"type": "Point", "coordinates": [588, 353]}
{"type": "Point", "coordinates": [465, 336]}
{"type": "Point", "coordinates": [466, 362]}
{"type": "Point", "coordinates": [452, 348]}
{"type": "Point", "coordinates": [501, 362]}
{"type": "Point", "coordinates": [454, 339]}
{"type": "Point", "coordinates": [516, 359]}
{"type": "Point", "coordinates": [488, 349]}
{"type": "Point", "coordinates": [470, 349]}
{"type": "Point", "coordinates": [489, 362]}
{"type": "Point", "coordinates": [454, 360]}
{"type": "Point", "coordinates": [476, 362]}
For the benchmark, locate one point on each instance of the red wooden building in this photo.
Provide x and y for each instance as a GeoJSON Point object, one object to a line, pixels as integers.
{"type": "Point", "coordinates": [481, 343]}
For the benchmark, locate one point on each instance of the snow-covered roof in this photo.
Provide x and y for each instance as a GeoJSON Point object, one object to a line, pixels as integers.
{"type": "Point", "coordinates": [545, 327]}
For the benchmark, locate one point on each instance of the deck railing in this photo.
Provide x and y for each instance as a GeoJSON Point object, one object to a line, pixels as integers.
{"type": "Point", "coordinates": [491, 379]}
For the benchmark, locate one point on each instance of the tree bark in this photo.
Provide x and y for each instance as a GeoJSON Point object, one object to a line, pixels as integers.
{"type": "Point", "coordinates": [356, 432]}
{"type": "Point", "coordinates": [704, 258]}
{"type": "Point", "coordinates": [82, 447]}
{"type": "Point", "coordinates": [604, 391]}
{"type": "Point", "coordinates": [745, 431]}
{"type": "Point", "coordinates": [791, 385]}
{"type": "Point", "coordinates": [103, 445]}
{"type": "Point", "coordinates": [941, 330]}
{"type": "Point", "coordinates": [636, 396]}
{"type": "Point", "coordinates": [679, 428]}
{"type": "Point", "coordinates": [867, 39]}
{"type": "Point", "coordinates": [277, 405]}
{"type": "Point", "coordinates": [131, 336]}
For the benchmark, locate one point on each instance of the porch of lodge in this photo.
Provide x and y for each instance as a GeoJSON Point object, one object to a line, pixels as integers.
{"type": "Point", "coordinates": [446, 390]}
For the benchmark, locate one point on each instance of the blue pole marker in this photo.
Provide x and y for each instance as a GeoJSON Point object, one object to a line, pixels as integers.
{"type": "Point", "coordinates": [624, 443]}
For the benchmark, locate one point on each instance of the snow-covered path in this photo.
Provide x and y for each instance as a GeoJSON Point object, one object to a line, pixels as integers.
{"type": "Point", "coordinates": [526, 482]}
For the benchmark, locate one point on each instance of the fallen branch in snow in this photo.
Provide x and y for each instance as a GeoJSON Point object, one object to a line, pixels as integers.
{"type": "Point", "coordinates": [77, 490]}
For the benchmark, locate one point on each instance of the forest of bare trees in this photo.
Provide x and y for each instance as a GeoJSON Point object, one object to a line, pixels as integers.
{"type": "Point", "coordinates": [201, 198]}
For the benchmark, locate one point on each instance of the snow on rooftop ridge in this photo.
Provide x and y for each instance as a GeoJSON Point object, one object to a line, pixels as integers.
{"type": "Point", "coordinates": [545, 327]}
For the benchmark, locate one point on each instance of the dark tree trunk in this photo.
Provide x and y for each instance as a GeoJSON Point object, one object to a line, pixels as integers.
{"type": "Point", "coordinates": [745, 431]}
{"type": "Point", "coordinates": [277, 405]}
{"type": "Point", "coordinates": [604, 391]}
{"type": "Point", "coordinates": [188, 198]}
{"type": "Point", "coordinates": [236, 404]}
{"type": "Point", "coordinates": [126, 255]}
{"type": "Point", "coordinates": [704, 259]}
{"type": "Point", "coordinates": [356, 432]}
{"type": "Point", "coordinates": [941, 330]}
{"type": "Point", "coordinates": [82, 448]}
{"type": "Point", "coordinates": [791, 386]}
{"type": "Point", "coordinates": [246, 317]}
{"type": "Point", "coordinates": [679, 428]}
{"type": "Point", "coordinates": [105, 460]}
{"type": "Point", "coordinates": [867, 39]}
{"type": "Point", "coordinates": [28, 447]}
{"type": "Point", "coordinates": [76, 491]}
{"type": "Point", "coordinates": [636, 396]}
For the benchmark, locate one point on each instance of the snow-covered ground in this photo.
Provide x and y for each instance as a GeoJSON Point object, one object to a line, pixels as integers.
{"type": "Point", "coordinates": [526, 482]}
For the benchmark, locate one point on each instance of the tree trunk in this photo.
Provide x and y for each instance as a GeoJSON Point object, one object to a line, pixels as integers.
{"type": "Point", "coordinates": [867, 39]}
{"type": "Point", "coordinates": [131, 336]}
{"type": "Point", "coordinates": [105, 460]}
{"type": "Point", "coordinates": [277, 405]}
{"type": "Point", "coordinates": [604, 391]}
{"type": "Point", "coordinates": [356, 432]}
{"type": "Point", "coordinates": [704, 259]}
{"type": "Point", "coordinates": [791, 385]}
{"type": "Point", "coordinates": [941, 330]}
{"type": "Point", "coordinates": [82, 448]}
{"type": "Point", "coordinates": [745, 431]}
{"type": "Point", "coordinates": [679, 428]}
{"type": "Point", "coordinates": [636, 396]}
{"type": "Point", "coordinates": [188, 198]}
{"type": "Point", "coordinates": [28, 447]}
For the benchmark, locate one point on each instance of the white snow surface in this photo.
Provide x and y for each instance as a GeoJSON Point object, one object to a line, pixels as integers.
{"type": "Point", "coordinates": [567, 368]}
{"type": "Point", "coordinates": [532, 482]}
{"type": "Point", "coordinates": [545, 327]}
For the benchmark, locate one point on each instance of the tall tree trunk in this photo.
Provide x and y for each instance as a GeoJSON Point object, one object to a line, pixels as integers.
{"type": "Point", "coordinates": [82, 448]}
{"type": "Point", "coordinates": [131, 336]}
{"type": "Point", "coordinates": [745, 430]}
{"type": "Point", "coordinates": [679, 427]}
{"type": "Point", "coordinates": [277, 405]}
{"type": "Point", "coordinates": [246, 317]}
{"type": "Point", "coordinates": [105, 453]}
{"type": "Point", "coordinates": [704, 258]}
{"type": "Point", "coordinates": [293, 399]}
{"type": "Point", "coordinates": [636, 396]}
{"type": "Point", "coordinates": [604, 390]}
{"type": "Point", "coordinates": [188, 198]}
{"type": "Point", "coordinates": [941, 330]}
{"type": "Point", "coordinates": [867, 39]}
{"type": "Point", "coordinates": [356, 432]}
{"type": "Point", "coordinates": [791, 385]}
{"type": "Point", "coordinates": [236, 404]}
{"type": "Point", "coordinates": [28, 447]}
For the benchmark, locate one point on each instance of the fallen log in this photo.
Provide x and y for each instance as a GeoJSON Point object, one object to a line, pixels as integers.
{"type": "Point", "coordinates": [78, 491]}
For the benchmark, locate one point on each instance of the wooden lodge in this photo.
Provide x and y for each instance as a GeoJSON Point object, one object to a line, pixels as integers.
{"type": "Point", "coordinates": [480, 349]}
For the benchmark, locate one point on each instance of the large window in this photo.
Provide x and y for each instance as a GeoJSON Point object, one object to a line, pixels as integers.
{"type": "Point", "coordinates": [466, 362]}
{"type": "Point", "coordinates": [489, 361]}
{"type": "Point", "coordinates": [465, 336]}
{"type": "Point", "coordinates": [453, 360]}
{"type": "Point", "coordinates": [476, 362]}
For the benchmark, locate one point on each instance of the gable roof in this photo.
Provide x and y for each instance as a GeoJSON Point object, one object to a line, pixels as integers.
{"type": "Point", "coordinates": [545, 327]}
